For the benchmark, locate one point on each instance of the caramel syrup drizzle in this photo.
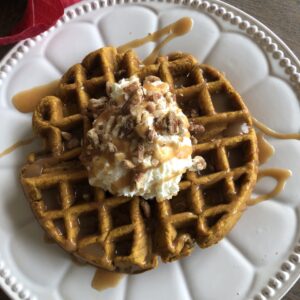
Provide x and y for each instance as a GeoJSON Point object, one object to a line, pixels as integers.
{"type": "Point", "coordinates": [176, 29]}
{"type": "Point", "coordinates": [266, 150]}
{"type": "Point", "coordinates": [15, 146]}
{"type": "Point", "coordinates": [26, 101]}
{"type": "Point", "coordinates": [280, 175]}
{"type": "Point", "coordinates": [104, 279]}
{"type": "Point", "coordinates": [272, 133]}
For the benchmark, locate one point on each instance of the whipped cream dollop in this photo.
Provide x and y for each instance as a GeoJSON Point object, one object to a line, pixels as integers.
{"type": "Point", "coordinates": [140, 142]}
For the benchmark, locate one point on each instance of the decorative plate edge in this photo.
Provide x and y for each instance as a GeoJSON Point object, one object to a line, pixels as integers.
{"type": "Point", "coordinates": [214, 7]}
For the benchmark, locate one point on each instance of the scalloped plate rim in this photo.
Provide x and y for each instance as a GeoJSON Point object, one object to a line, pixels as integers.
{"type": "Point", "coordinates": [288, 53]}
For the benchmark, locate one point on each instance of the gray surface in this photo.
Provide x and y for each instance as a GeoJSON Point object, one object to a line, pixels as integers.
{"type": "Point", "coordinates": [281, 16]}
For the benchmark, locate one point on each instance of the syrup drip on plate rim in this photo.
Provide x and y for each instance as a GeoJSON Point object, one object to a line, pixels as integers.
{"type": "Point", "coordinates": [105, 279]}
{"type": "Point", "coordinates": [266, 150]}
{"type": "Point", "coordinates": [15, 146]}
{"type": "Point", "coordinates": [176, 29]}
{"type": "Point", "coordinates": [280, 175]}
{"type": "Point", "coordinates": [26, 101]}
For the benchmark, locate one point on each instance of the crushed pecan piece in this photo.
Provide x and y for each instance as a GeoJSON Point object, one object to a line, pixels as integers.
{"type": "Point", "coordinates": [128, 126]}
{"type": "Point", "coordinates": [66, 135]}
{"type": "Point", "coordinates": [151, 135]}
{"type": "Point", "coordinates": [93, 138]}
{"type": "Point", "coordinates": [154, 96]}
{"type": "Point", "coordinates": [194, 140]}
{"type": "Point", "coordinates": [169, 124]}
{"type": "Point", "coordinates": [111, 147]}
{"type": "Point", "coordinates": [96, 106]}
{"type": "Point", "coordinates": [151, 78]}
{"type": "Point", "coordinates": [131, 88]}
{"type": "Point", "coordinates": [155, 162]}
{"type": "Point", "coordinates": [108, 88]}
{"type": "Point", "coordinates": [197, 128]}
{"type": "Point", "coordinates": [146, 209]}
{"type": "Point", "coordinates": [120, 156]}
{"type": "Point", "coordinates": [199, 164]}
{"type": "Point", "coordinates": [140, 152]}
{"type": "Point", "coordinates": [138, 179]}
{"type": "Point", "coordinates": [150, 107]}
{"type": "Point", "coordinates": [141, 129]}
{"type": "Point", "coordinates": [128, 164]}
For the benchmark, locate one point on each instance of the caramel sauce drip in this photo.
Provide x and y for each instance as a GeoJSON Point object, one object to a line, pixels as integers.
{"type": "Point", "coordinates": [104, 279]}
{"type": "Point", "coordinates": [16, 146]}
{"type": "Point", "coordinates": [272, 133]}
{"type": "Point", "coordinates": [280, 175]}
{"type": "Point", "coordinates": [265, 149]}
{"type": "Point", "coordinates": [27, 100]}
{"type": "Point", "coordinates": [169, 151]}
{"type": "Point", "coordinates": [122, 182]}
{"type": "Point", "coordinates": [178, 28]}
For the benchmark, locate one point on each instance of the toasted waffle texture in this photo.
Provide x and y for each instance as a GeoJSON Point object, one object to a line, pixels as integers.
{"type": "Point", "coordinates": [129, 234]}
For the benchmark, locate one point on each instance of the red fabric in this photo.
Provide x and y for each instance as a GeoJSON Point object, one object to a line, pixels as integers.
{"type": "Point", "coordinates": [39, 15]}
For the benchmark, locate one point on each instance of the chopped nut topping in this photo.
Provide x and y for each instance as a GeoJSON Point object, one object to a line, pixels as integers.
{"type": "Point", "coordinates": [108, 88]}
{"type": "Point", "coordinates": [170, 124]}
{"type": "Point", "coordinates": [120, 156]}
{"type": "Point", "coordinates": [155, 162]}
{"type": "Point", "coordinates": [96, 103]}
{"type": "Point", "coordinates": [150, 107]}
{"type": "Point", "coordinates": [111, 147]}
{"type": "Point", "coordinates": [138, 179]}
{"type": "Point", "coordinates": [141, 129]}
{"type": "Point", "coordinates": [95, 106]}
{"type": "Point", "coordinates": [140, 152]}
{"type": "Point", "coordinates": [146, 209]}
{"type": "Point", "coordinates": [199, 164]}
{"type": "Point", "coordinates": [196, 128]}
{"type": "Point", "coordinates": [134, 130]}
{"type": "Point", "coordinates": [128, 164]}
{"type": "Point", "coordinates": [151, 135]}
{"type": "Point", "coordinates": [128, 126]}
{"type": "Point", "coordinates": [133, 117]}
{"type": "Point", "coordinates": [154, 97]}
{"type": "Point", "coordinates": [66, 135]}
{"type": "Point", "coordinates": [133, 100]}
{"type": "Point", "coordinates": [93, 138]}
{"type": "Point", "coordinates": [194, 140]}
{"type": "Point", "coordinates": [151, 78]}
{"type": "Point", "coordinates": [132, 88]}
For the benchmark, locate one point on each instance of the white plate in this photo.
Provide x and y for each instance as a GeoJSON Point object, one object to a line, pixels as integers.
{"type": "Point", "coordinates": [260, 258]}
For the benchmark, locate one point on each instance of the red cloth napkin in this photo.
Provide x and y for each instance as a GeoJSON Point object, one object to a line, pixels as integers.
{"type": "Point", "coordinates": [39, 15]}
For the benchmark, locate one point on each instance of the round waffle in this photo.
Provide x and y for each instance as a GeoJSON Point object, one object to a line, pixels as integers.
{"type": "Point", "coordinates": [128, 234]}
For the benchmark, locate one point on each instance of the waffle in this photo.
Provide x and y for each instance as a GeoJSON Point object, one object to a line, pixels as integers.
{"type": "Point", "coordinates": [129, 234]}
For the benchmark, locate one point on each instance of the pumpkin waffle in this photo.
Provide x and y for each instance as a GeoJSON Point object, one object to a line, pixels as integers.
{"type": "Point", "coordinates": [128, 234]}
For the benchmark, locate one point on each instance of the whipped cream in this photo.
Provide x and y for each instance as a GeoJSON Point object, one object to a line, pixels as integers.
{"type": "Point", "coordinates": [140, 142]}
